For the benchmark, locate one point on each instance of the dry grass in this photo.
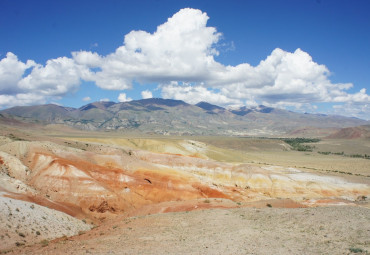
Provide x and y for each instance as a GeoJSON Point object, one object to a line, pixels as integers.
{"type": "Point", "coordinates": [255, 150]}
{"type": "Point", "coordinates": [348, 146]}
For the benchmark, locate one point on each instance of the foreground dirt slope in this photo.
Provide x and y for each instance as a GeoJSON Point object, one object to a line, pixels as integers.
{"type": "Point", "coordinates": [23, 223]}
{"type": "Point", "coordinates": [324, 230]}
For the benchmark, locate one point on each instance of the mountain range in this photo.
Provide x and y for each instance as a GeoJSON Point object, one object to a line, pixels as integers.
{"type": "Point", "coordinates": [167, 116]}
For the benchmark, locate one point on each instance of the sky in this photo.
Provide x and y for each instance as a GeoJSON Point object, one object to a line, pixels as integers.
{"type": "Point", "coordinates": [305, 56]}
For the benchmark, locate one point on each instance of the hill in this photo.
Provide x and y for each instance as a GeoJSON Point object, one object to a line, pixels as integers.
{"type": "Point", "coordinates": [352, 133]}
{"type": "Point", "coordinates": [167, 116]}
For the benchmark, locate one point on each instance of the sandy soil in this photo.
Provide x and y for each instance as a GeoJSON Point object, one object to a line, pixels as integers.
{"type": "Point", "coordinates": [325, 230]}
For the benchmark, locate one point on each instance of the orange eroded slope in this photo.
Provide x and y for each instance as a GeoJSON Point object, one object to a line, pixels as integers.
{"type": "Point", "coordinates": [97, 189]}
{"type": "Point", "coordinates": [109, 181]}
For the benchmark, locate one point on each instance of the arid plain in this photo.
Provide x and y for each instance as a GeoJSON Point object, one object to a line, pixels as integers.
{"type": "Point", "coordinates": [70, 191]}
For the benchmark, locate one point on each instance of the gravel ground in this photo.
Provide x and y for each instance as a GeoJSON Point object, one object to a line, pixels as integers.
{"type": "Point", "coordinates": [322, 230]}
{"type": "Point", "coordinates": [24, 223]}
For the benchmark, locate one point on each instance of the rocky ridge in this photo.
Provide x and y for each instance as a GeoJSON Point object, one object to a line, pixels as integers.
{"type": "Point", "coordinates": [166, 116]}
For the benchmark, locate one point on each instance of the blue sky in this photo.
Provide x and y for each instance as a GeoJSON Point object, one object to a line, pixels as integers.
{"type": "Point", "coordinates": [315, 54]}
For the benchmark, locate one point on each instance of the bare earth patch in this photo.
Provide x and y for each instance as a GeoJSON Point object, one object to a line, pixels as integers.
{"type": "Point", "coordinates": [324, 230]}
{"type": "Point", "coordinates": [23, 223]}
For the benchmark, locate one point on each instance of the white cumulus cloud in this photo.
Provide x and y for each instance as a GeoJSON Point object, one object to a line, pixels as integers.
{"type": "Point", "coordinates": [146, 94]}
{"type": "Point", "coordinates": [180, 57]}
{"type": "Point", "coordinates": [180, 49]}
{"type": "Point", "coordinates": [359, 110]}
{"type": "Point", "coordinates": [196, 94]}
{"type": "Point", "coordinates": [58, 77]}
{"type": "Point", "coordinates": [21, 99]}
{"type": "Point", "coordinates": [123, 98]}
{"type": "Point", "coordinates": [11, 72]}
{"type": "Point", "coordinates": [31, 83]}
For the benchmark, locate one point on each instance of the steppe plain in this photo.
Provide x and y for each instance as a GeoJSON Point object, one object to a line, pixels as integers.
{"type": "Point", "coordinates": [65, 191]}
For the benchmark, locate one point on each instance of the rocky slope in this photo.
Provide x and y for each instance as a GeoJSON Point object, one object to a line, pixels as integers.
{"type": "Point", "coordinates": [24, 223]}
{"type": "Point", "coordinates": [352, 133]}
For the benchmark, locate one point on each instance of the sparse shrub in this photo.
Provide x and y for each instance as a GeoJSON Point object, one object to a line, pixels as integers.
{"type": "Point", "coordinates": [338, 153]}
{"type": "Point", "coordinates": [297, 143]}
{"type": "Point", "coordinates": [361, 198]}
{"type": "Point", "coordinates": [44, 243]}
{"type": "Point", "coordinates": [15, 138]}
{"type": "Point", "coordinates": [84, 221]}
{"type": "Point", "coordinates": [32, 206]}
{"type": "Point", "coordinates": [38, 233]}
{"type": "Point", "coordinates": [356, 250]}
{"type": "Point", "coordinates": [21, 234]}
{"type": "Point", "coordinates": [19, 244]}
{"type": "Point", "coordinates": [324, 152]}
{"type": "Point", "coordinates": [268, 205]}
{"type": "Point", "coordinates": [63, 239]}
{"type": "Point", "coordinates": [5, 251]}
{"type": "Point", "coordinates": [115, 226]}
{"type": "Point", "coordinates": [356, 156]}
{"type": "Point", "coordinates": [207, 201]}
